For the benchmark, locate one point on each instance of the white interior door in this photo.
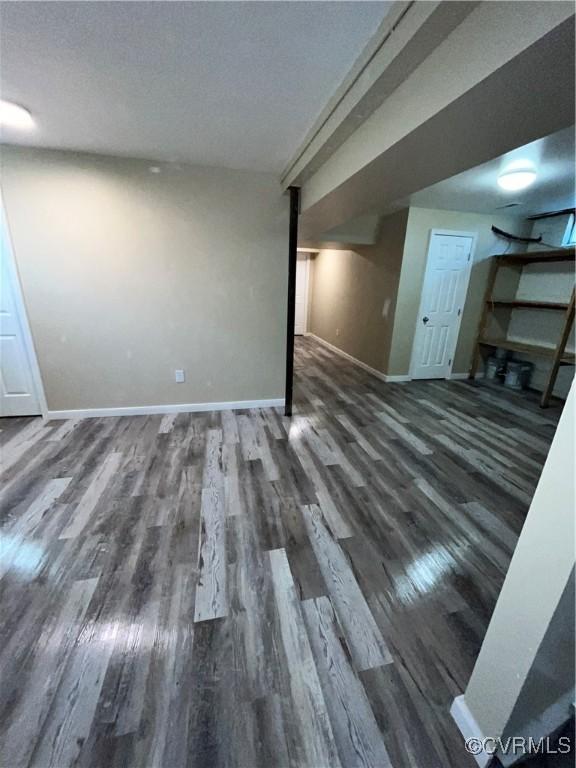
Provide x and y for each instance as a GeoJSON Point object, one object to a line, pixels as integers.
{"type": "Point", "coordinates": [18, 395]}
{"type": "Point", "coordinates": [301, 294]}
{"type": "Point", "coordinates": [443, 295]}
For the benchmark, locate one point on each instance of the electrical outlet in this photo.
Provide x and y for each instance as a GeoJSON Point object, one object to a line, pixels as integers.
{"type": "Point", "coordinates": [337, 331]}
{"type": "Point", "coordinates": [179, 376]}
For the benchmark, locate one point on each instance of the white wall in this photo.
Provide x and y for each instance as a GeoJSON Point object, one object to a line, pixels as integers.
{"type": "Point", "coordinates": [128, 275]}
{"type": "Point", "coordinates": [546, 698]}
{"type": "Point", "coordinates": [551, 282]}
{"type": "Point", "coordinates": [502, 690]}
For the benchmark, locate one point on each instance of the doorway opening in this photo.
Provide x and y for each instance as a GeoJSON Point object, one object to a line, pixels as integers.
{"type": "Point", "coordinates": [302, 287]}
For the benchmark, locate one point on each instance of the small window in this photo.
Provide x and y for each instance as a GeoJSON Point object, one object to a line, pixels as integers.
{"type": "Point", "coordinates": [570, 234]}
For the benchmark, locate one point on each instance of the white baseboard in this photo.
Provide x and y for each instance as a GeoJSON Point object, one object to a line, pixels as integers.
{"type": "Point", "coordinates": [151, 410]}
{"type": "Point", "coordinates": [359, 363]}
{"type": "Point", "coordinates": [400, 377]}
{"type": "Point", "coordinates": [468, 727]}
{"type": "Point", "coordinates": [389, 379]}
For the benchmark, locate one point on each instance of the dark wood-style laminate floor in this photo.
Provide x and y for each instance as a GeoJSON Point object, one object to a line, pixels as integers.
{"type": "Point", "coordinates": [239, 589]}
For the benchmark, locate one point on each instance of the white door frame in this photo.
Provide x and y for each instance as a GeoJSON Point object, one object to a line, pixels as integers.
{"type": "Point", "coordinates": [449, 233]}
{"type": "Point", "coordinates": [21, 310]}
{"type": "Point", "coordinates": [306, 254]}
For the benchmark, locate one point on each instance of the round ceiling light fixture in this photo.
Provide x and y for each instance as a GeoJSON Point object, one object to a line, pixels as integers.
{"type": "Point", "coordinates": [14, 116]}
{"type": "Point", "coordinates": [516, 178]}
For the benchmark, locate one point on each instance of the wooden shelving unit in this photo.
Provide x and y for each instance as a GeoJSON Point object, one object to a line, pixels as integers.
{"type": "Point", "coordinates": [538, 257]}
{"type": "Point", "coordinates": [527, 349]}
{"type": "Point", "coordinates": [558, 353]}
{"type": "Point", "coordinates": [529, 304]}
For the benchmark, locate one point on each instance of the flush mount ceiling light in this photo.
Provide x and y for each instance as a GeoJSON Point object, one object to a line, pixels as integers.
{"type": "Point", "coordinates": [14, 116]}
{"type": "Point", "coordinates": [516, 178]}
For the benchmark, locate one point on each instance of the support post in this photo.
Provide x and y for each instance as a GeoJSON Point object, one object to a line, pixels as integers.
{"type": "Point", "coordinates": [291, 310]}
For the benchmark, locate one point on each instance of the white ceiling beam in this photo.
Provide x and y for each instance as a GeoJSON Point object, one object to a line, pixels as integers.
{"type": "Point", "coordinates": [504, 78]}
{"type": "Point", "coordinates": [407, 35]}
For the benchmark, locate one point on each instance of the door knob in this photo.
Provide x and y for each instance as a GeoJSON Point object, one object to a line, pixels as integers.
{"type": "Point", "coordinates": [425, 320]}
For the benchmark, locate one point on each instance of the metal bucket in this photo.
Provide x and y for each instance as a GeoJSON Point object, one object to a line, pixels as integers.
{"type": "Point", "coordinates": [494, 368]}
{"type": "Point", "coordinates": [518, 374]}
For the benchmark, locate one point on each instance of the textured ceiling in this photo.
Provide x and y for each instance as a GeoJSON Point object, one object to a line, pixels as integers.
{"type": "Point", "coordinates": [231, 84]}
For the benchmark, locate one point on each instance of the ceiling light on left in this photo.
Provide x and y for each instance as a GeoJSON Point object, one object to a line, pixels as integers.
{"type": "Point", "coordinates": [14, 116]}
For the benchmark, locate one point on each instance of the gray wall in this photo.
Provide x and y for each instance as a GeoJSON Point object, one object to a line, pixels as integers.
{"type": "Point", "coordinates": [353, 294]}
{"type": "Point", "coordinates": [128, 275]}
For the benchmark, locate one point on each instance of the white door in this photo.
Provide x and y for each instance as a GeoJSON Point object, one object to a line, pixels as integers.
{"type": "Point", "coordinates": [18, 395]}
{"type": "Point", "coordinates": [301, 294]}
{"type": "Point", "coordinates": [443, 295]}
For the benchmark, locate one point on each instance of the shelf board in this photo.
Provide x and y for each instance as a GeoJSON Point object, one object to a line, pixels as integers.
{"type": "Point", "coordinates": [538, 257]}
{"type": "Point", "coordinates": [528, 349]}
{"type": "Point", "coordinates": [519, 304]}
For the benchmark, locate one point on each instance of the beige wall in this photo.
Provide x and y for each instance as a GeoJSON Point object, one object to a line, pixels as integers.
{"type": "Point", "coordinates": [128, 275]}
{"type": "Point", "coordinates": [353, 294]}
{"type": "Point", "coordinates": [420, 222]}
